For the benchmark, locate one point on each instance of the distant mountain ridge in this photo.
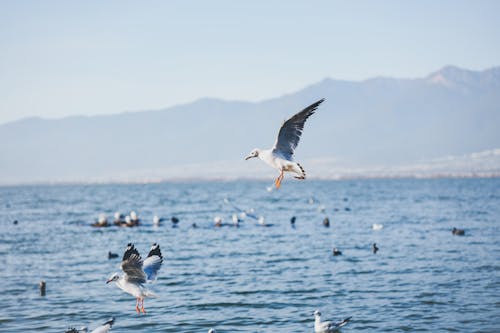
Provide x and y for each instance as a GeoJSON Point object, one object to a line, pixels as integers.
{"type": "Point", "coordinates": [379, 121]}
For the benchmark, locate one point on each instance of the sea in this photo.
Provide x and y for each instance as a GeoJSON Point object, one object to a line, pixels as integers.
{"type": "Point", "coordinates": [267, 276]}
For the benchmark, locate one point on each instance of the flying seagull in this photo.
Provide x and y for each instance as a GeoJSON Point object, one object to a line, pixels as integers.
{"type": "Point", "coordinates": [137, 272]}
{"type": "Point", "coordinates": [280, 156]}
{"type": "Point", "coordinates": [327, 326]}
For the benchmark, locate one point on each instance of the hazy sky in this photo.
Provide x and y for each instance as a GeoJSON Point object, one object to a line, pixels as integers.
{"type": "Point", "coordinates": [60, 58]}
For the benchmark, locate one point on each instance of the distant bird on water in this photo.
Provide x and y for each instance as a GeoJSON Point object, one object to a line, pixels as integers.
{"type": "Point", "coordinates": [326, 222]}
{"type": "Point", "coordinates": [137, 272]}
{"type": "Point", "coordinates": [458, 232]}
{"type": "Point", "coordinates": [374, 248]}
{"type": "Point", "coordinates": [280, 156]}
{"type": "Point", "coordinates": [174, 220]}
{"type": "Point", "coordinates": [336, 252]}
{"type": "Point", "coordinates": [327, 326]}
{"type": "Point", "coordinates": [112, 255]}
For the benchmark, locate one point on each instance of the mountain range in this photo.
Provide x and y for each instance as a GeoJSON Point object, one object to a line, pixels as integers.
{"type": "Point", "coordinates": [385, 124]}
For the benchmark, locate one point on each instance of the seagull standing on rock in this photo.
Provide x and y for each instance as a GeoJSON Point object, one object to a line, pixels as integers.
{"type": "Point", "coordinates": [280, 156]}
{"type": "Point", "coordinates": [137, 272]}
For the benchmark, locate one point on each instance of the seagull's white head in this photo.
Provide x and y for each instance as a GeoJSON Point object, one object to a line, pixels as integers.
{"type": "Point", "coordinates": [211, 330]}
{"type": "Point", "coordinates": [253, 153]}
{"type": "Point", "coordinates": [113, 277]}
{"type": "Point", "coordinates": [317, 313]}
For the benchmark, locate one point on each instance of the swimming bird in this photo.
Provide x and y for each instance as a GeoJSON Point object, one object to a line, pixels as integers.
{"type": "Point", "coordinates": [112, 255]}
{"type": "Point", "coordinates": [174, 220]}
{"type": "Point", "coordinates": [377, 226]}
{"type": "Point", "coordinates": [102, 221]}
{"type": "Point", "coordinates": [292, 220]}
{"type": "Point", "coordinates": [134, 218]}
{"type": "Point", "coordinates": [104, 328]}
{"type": "Point", "coordinates": [118, 218]}
{"type": "Point", "coordinates": [280, 156]}
{"type": "Point", "coordinates": [157, 220]}
{"type": "Point", "coordinates": [458, 232]}
{"type": "Point", "coordinates": [236, 220]}
{"type": "Point", "coordinates": [336, 252]}
{"type": "Point", "coordinates": [218, 221]}
{"type": "Point", "coordinates": [326, 222]}
{"type": "Point", "coordinates": [137, 272]}
{"type": "Point", "coordinates": [374, 248]}
{"type": "Point", "coordinates": [327, 326]}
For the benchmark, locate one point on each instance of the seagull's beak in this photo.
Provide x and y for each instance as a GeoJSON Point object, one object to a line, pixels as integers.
{"type": "Point", "coordinates": [108, 281]}
{"type": "Point", "coordinates": [249, 157]}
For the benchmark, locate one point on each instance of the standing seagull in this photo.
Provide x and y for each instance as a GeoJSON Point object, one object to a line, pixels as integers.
{"type": "Point", "coordinates": [327, 326]}
{"type": "Point", "coordinates": [137, 272]}
{"type": "Point", "coordinates": [281, 155]}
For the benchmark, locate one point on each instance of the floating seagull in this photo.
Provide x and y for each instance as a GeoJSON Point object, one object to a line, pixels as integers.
{"type": "Point", "coordinates": [102, 221]}
{"type": "Point", "coordinates": [327, 326]}
{"type": "Point", "coordinates": [236, 220]}
{"type": "Point", "coordinates": [134, 218]}
{"type": "Point", "coordinates": [336, 252]}
{"type": "Point", "coordinates": [218, 221]}
{"type": "Point", "coordinates": [377, 226]}
{"type": "Point", "coordinates": [137, 272]}
{"type": "Point", "coordinates": [281, 155]}
{"type": "Point", "coordinates": [118, 218]}
{"type": "Point", "coordinates": [104, 328]}
{"type": "Point", "coordinates": [157, 220]}
{"type": "Point", "coordinates": [458, 232]}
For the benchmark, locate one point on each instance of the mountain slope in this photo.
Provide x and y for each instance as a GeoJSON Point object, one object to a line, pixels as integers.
{"type": "Point", "coordinates": [382, 121]}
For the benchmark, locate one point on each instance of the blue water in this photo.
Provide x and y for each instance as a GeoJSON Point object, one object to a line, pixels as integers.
{"type": "Point", "coordinates": [254, 278]}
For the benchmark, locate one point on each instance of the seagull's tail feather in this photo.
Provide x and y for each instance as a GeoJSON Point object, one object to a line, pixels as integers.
{"type": "Point", "coordinates": [344, 321]}
{"type": "Point", "coordinates": [149, 293]}
{"type": "Point", "coordinates": [301, 172]}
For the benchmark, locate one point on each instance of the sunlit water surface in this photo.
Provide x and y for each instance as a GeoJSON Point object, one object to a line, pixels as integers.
{"type": "Point", "coordinates": [254, 278]}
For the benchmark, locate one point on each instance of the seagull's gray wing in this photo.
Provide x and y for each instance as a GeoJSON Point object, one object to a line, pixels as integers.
{"type": "Point", "coordinates": [341, 323]}
{"type": "Point", "coordinates": [132, 265]}
{"type": "Point", "coordinates": [153, 262]}
{"type": "Point", "coordinates": [291, 130]}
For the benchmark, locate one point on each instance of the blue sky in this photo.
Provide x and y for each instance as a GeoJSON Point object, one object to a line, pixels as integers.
{"type": "Point", "coordinates": [61, 58]}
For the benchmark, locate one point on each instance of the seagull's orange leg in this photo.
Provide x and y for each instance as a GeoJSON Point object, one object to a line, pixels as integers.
{"type": "Point", "coordinates": [142, 306]}
{"type": "Point", "coordinates": [137, 305]}
{"type": "Point", "coordinates": [279, 179]}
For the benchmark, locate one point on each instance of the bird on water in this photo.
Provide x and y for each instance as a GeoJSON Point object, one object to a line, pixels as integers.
{"type": "Point", "coordinates": [327, 326]}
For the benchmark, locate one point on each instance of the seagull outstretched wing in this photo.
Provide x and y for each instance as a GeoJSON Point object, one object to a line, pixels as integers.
{"type": "Point", "coordinates": [291, 130]}
{"type": "Point", "coordinates": [132, 265]}
{"type": "Point", "coordinates": [153, 262]}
